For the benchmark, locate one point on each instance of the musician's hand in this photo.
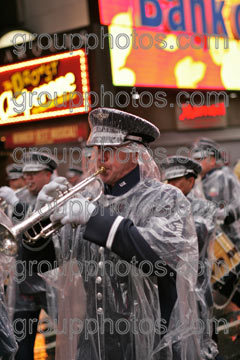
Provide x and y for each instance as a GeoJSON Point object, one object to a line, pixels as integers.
{"type": "Point", "coordinates": [76, 211]}
{"type": "Point", "coordinates": [8, 194]}
{"type": "Point", "coordinates": [51, 191]}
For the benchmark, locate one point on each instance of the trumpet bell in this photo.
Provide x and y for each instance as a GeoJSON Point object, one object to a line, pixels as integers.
{"type": "Point", "coordinates": [8, 243]}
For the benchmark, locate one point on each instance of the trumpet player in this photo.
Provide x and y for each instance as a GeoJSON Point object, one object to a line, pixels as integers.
{"type": "Point", "coordinates": [30, 290]}
{"type": "Point", "coordinates": [143, 231]}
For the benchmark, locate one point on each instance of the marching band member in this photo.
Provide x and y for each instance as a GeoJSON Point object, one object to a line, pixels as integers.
{"type": "Point", "coordinates": [140, 225]}
{"type": "Point", "coordinates": [74, 175]}
{"type": "Point", "coordinates": [30, 289]}
{"type": "Point", "coordinates": [15, 176]}
{"type": "Point", "coordinates": [8, 344]}
{"type": "Point", "coordinates": [221, 186]}
{"type": "Point", "coordinates": [15, 191]}
{"type": "Point", "coordinates": [182, 172]}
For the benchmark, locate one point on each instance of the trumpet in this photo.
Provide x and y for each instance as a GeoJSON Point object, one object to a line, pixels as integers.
{"type": "Point", "coordinates": [32, 229]}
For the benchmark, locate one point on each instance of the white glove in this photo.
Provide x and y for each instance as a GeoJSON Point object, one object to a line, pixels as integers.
{"type": "Point", "coordinates": [51, 191]}
{"type": "Point", "coordinates": [75, 211]}
{"type": "Point", "coordinates": [8, 194]}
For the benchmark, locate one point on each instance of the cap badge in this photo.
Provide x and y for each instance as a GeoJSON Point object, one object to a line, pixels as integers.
{"type": "Point", "coordinates": [100, 115]}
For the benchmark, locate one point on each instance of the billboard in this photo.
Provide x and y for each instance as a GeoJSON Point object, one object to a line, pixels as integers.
{"type": "Point", "coordinates": [51, 86]}
{"type": "Point", "coordinates": [174, 44]}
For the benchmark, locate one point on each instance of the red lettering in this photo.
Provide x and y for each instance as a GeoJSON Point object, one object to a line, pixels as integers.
{"type": "Point", "coordinates": [190, 112]}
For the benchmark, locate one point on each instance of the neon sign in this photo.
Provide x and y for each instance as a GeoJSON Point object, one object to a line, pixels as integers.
{"type": "Point", "coordinates": [190, 112]}
{"type": "Point", "coordinates": [52, 86]}
{"type": "Point", "coordinates": [199, 117]}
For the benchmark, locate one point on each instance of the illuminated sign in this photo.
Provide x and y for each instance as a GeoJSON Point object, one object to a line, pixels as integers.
{"type": "Point", "coordinates": [190, 112]}
{"type": "Point", "coordinates": [49, 135]}
{"type": "Point", "coordinates": [208, 17]}
{"type": "Point", "coordinates": [174, 44]}
{"type": "Point", "coordinates": [199, 117]}
{"type": "Point", "coordinates": [43, 88]}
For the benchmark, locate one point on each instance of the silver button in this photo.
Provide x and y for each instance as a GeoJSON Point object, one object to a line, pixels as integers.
{"type": "Point", "coordinates": [98, 280]}
{"type": "Point", "coordinates": [99, 296]}
{"type": "Point", "coordinates": [99, 310]}
{"type": "Point", "coordinates": [101, 250]}
{"type": "Point", "coordinates": [100, 264]}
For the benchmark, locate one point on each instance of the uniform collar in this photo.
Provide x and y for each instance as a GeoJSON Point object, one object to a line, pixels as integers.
{"type": "Point", "coordinates": [124, 184]}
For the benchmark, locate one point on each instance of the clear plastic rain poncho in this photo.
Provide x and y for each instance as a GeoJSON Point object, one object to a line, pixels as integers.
{"type": "Point", "coordinates": [25, 282]}
{"type": "Point", "coordinates": [197, 190]}
{"type": "Point", "coordinates": [17, 302]}
{"type": "Point", "coordinates": [8, 345]}
{"type": "Point", "coordinates": [110, 309]}
{"type": "Point", "coordinates": [221, 186]}
{"type": "Point", "coordinates": [204, 215]}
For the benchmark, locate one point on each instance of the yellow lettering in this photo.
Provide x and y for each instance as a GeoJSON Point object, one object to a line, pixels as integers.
{"type": "Point", "coordinates": [54, 65]}
{"type": "Point", "coordinates": [17, 82]}
{"type": "Point", "coordinates": [60, 91]}
{"type": "Point", "coordinates": [35, 77]}
{"type": "Point", "coordinates": [26, 77]}
{"type": "Point", "coordinates": [48, 72]}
